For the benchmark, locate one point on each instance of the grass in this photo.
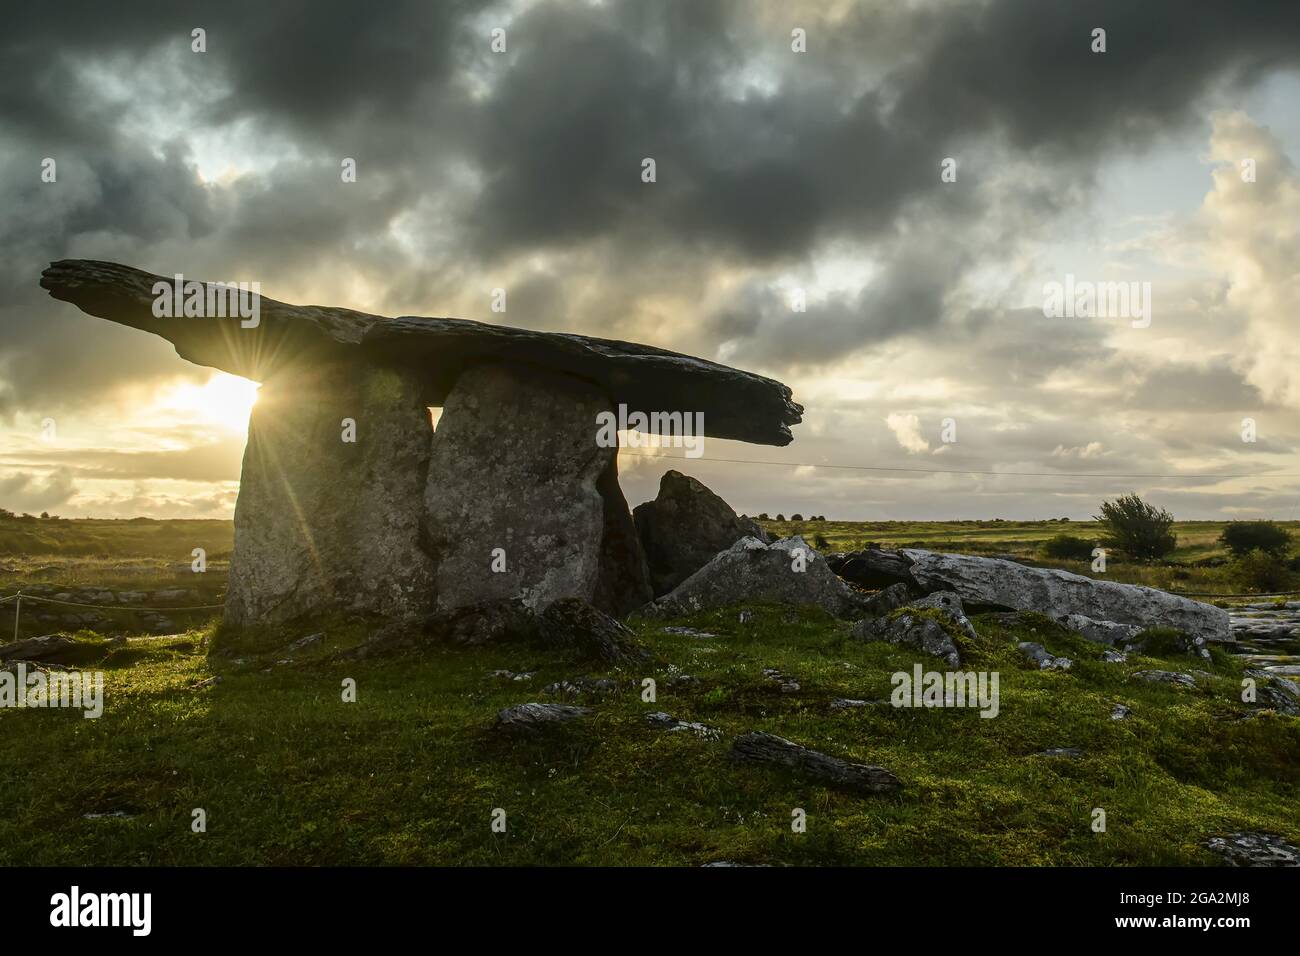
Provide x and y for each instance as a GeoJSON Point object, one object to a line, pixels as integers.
{"type": "Point", "coordinates": [411, 772]}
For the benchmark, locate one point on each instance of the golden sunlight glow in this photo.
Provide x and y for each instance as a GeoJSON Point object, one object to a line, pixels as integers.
{"type": "Point", "coordinates": [223, 400]}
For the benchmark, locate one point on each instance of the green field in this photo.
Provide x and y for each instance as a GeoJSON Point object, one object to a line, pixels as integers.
{"type": "Point", "coordinates": [287, 773]}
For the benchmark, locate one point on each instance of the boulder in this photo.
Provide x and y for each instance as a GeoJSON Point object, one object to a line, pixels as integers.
{"type": "Point", "coordinates": [684, 527]}
{"type": "Point", "coordinates": [992, 584]}
{"type": "Point", "coordinates": [514, 505]}
{"type": "Point", "coordinates": [949, 605]}
{"type": "Point", "coordinates": [759, 747]}
{"type": "Point", "coordinates": [661, 721]}
{"type": "Point", "coordinates": [751, 570]}
{"type": "Point", "coordinates": [47, 649]}
{"type": "Point", "coordinates": [910, 630]}
{"type": "Point", "coordinates": [324, 524]}
{"type": "Point", "coordinates": [288, 338]}
{"type": "Point", "coordinates": [1100, 632]}
{"type": "Point", "coordinates": [887, 599]}
{"type": "Point", "coordinates": [1038, 655]}
{"type": "Point", "coordinates": [1171, 678]}
{"type": "Point", "coordinates": [574, 624]}
{"type": "Point", "coordinates": [534, 718]}
{"type": "Point", "coordinates": [1250, 848]}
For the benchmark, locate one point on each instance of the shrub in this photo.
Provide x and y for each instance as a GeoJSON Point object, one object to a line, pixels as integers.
{"type": "Point", "coordinates": [1068, 547]}
{"type": "Point", "coordinates": [1136, 528]}
{"type": "Point", "coordinates": [1260, 570]}
{"type": "Point", "coordinates": [780, 517]}
{"type": "Point", "coordinates": [1243, 537]}
{"type": "Point", "coordinates": [796, 517]}
{"type": "Point", "coordinates": [820, 542]}
{"type": "Point", "coordinates": [764, 517]}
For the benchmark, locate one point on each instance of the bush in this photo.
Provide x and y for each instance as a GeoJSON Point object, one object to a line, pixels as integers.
{"type": "Point", "coordinates": [796, 517]}
{"type": "Point", "coordinates": [820, 542]}
{"type": "Point", "coordinates": [1136, 528]}
{"type": "Point", "coordinates": [780, 517]}
{"type": "Point", "coordinates": [1243, 537]}
{"type": "Point", "coordinates": [1260, 571]}
{"type": "Point", "coordinates": [764, 517]}
{"type": "Point", "coordinates": [1068, 547]}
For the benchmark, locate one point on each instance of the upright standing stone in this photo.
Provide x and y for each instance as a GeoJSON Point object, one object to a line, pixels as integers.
{"type": "Point", "coordinates": [514, 505]}
{"type": "Point", "coordinates": [326, 524]}
{"type": "Point", "coordinates": [685, 527]}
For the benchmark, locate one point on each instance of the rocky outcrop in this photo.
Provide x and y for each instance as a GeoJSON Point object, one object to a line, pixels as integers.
{"type": "Point", "coordinates": [1039, 656]}
{"type": "Point", "coordinates": [287, 338]}
{"type": "Point", "coordinates": [1250, 848]}
{"type": "Point", "coordinates": [1100, 632]}
{"type": "Point", "coordinates": [47, 649]}
{"type": "Point", "coordinates": [949, 605]}
{"type": "Point", "coordinates": [323, 523]}
{"type": "Point", "coordinates": [788, 571]}
{"type": "Point", "coordinates": [684, 527]}
{"type": "Point", "coordinates": [514, 506]}
{"type": "Point", "coordinates": [759, 747]}
{"type": "Point", "coordinates": [1169, 678]}
{"type": "Point", "coordinates": [992, 584]}
{"type": "Point", "coordinates": [532, 719]}
{"type": "Point", "coordinates": [574, 624]}
{"type": "Point", "coordinates": [913, 630]}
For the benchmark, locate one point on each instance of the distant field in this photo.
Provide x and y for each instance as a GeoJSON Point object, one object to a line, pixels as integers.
{"type": "Point", "coordinates": [108, 552]}
{"type": "Point", "coordinates": [115, 538]}
{"type": "Point", "coordinates": [104, 551]}
{"type": "Point", "coordinates": [1197, 540]}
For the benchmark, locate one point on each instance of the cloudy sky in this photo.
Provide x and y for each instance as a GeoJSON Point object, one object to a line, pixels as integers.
{"type": "Point", "coordinates": [778, 174]}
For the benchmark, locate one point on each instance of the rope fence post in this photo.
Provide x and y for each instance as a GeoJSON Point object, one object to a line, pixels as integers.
{"type": "Point", "coordinates": [18, 608]}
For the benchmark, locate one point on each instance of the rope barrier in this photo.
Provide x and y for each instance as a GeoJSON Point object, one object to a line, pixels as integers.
{"type": "Point", "coordinates": [20, 597]}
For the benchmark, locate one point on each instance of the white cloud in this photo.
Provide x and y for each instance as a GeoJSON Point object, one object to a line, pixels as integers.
{"type": "Point", "coordinates": [907, 429]}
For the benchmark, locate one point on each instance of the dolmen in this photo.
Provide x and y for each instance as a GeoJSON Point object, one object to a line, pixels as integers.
{"type": "Point", "coordinates": [349, 498]}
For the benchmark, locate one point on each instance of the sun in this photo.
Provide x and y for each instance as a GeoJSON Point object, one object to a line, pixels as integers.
{"type": "Point", "coordinates": [223, 400]}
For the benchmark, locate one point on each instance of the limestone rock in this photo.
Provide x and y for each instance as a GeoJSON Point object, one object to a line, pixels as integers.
{"type": "Point", "coordinates": [684, 527]}
{"type": "Point", "coordinates": [488, 622]}
{"type": "Point", "coordinates": [993, 584]}
{"type": "Point", "coordinates": [910, 630]}
{"type": "Point", "coordinates": [662, 721]}
{"type": "Point", "coordinates": [533, 718]}
{"type": "Point", "coordinates": [1037, 654]}
{"type": "Point", "coordinates": [515, 481]}
{"type": "Point", "coordinates": [573, 623]}
{"type": "Point", "coordinates": [1100, 632]}
{"type": "Point", "coordinates": [949, 605]}
{"type": "Point", "coordinates": [1255, 849]}
{"type": "Point", "coordinates": [623, 578]}
{"type": "Point", "coordinates": [1172, 678]}
{"type": "Point", "coordinates": [47, 649]}
{"type": "Point", "coordinates": [752, 571]}
{"type": "Point", "coordinates": [872, 568]}
{"type": "Point", "coordinates": [887, 599]}
{"type": "Point", "coordinates": [326, 524]}
{"type": "Point", "coordinates": [735, 404]}
{"type": "Point", "coordinates": [761, 747]}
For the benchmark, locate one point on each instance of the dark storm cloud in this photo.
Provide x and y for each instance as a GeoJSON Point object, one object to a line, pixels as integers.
{"type": "Point", "coordinates": [763, 155]}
